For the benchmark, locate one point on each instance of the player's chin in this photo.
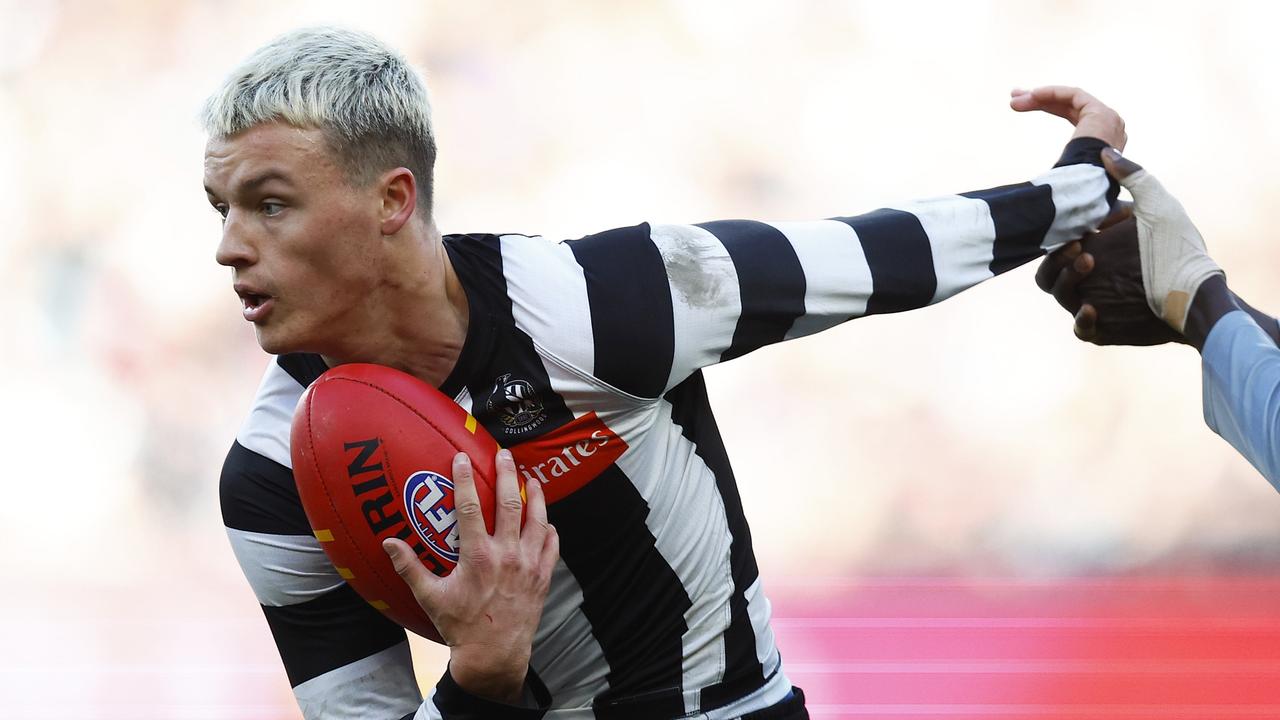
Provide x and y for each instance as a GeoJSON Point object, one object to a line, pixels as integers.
{"type": "Point", "coordinates": [278, 340]}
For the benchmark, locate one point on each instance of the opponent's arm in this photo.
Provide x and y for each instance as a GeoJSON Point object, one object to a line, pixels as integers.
{"type": "Point", "coordinates": [1109, 305]}
{"type": "Point", "coordinates": [1241, 369]}
{"type": "Point", "coordinates": [1150, 280]}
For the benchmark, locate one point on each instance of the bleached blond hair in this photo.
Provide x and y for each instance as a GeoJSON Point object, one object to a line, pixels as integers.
{"type": "Point", "coordinates": [367, 101]}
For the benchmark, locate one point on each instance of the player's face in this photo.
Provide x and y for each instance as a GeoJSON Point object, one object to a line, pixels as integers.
{"type": "Point", "coordinates": [300, 239]}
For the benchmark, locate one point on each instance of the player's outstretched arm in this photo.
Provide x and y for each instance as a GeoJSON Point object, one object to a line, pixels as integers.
{"type": "Point", "coordinates": [488, 608]}
{"type": "Point", "coordinates": [791, 279]}
{"type": "Point", "coordinates": [666, 300]}
{"type": "Point", "coordinates": [1149, 280]}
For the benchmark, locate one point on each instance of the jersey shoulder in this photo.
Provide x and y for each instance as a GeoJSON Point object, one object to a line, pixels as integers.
{"type": "Point", "coordinates": [558, 294]}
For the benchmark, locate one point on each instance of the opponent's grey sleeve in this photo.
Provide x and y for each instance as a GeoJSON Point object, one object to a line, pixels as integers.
{"type": "Point", "coordinates": [1241, 367]}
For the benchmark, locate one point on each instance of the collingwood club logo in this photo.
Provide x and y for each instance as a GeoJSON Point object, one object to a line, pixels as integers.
{"type": "Point", "coordinates": [516, 404]}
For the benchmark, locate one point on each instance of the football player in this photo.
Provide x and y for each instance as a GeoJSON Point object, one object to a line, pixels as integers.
{"type": "Point", "coordinates": [583, 357]}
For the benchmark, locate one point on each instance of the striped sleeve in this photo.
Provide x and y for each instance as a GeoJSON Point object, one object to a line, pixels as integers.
{"type": "Point", "coordinates": [342, 657]}
{"type": "Point", "coordinates": [688, 296]}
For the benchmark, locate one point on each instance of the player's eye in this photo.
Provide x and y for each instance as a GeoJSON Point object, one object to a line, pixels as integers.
{"type": "Point", "coordinates": [221, 209]}
{"type": "Point", "coordinates": [272, 209]}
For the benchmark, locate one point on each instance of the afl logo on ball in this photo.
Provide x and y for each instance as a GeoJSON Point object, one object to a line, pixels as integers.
{"type": "Point", "coordinates": [428, 500]}
{"type": "Point", "coordinates": [516, 404]}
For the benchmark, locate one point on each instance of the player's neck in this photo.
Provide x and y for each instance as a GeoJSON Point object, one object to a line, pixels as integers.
{"type": "Point", "coordinates": [418, 320]}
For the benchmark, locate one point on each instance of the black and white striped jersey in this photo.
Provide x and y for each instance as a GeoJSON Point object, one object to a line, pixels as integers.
{"type": "Point", "coordinates": [584, 357]}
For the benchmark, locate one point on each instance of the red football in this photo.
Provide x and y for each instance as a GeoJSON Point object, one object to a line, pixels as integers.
{"type": "Point", "coordinates": [373, 455]}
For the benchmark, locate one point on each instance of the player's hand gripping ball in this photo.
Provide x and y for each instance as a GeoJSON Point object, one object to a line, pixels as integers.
{"type": "Point", "coordinates": [372, 452]}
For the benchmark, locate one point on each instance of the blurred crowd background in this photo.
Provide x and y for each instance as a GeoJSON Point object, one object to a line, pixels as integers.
{"type": "Point", "coordinates": [974, 438]}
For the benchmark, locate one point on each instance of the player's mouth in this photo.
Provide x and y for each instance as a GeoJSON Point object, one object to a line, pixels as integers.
{"type": "Point", "coordinates": [257, 304]}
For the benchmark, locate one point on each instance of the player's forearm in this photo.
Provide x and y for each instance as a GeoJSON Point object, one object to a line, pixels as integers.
{"type": "Point", "coordinates": [977, 235]}
{"type": "Point", "coordinates": [1081, 206]}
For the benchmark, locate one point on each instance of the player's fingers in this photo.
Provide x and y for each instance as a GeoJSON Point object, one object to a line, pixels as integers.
{"type": "Point", "coordinates": [506, 524]}
{"type": "Point", "coordinates": [1028, 103]}
{"type": "Point", "coordinates": [1066, 95]}
{"type": "Point", "coordinates": [1060, 100]}
{"type": "Point", "coordinates": [472, 534]}
{"type": "Point", "coordinates": [1020, 99]}
{"type": "Point", "coordinates": [411, 570]}
{"type": "Point", "coordinates": [550, 554]}
{"type": "Point", "coordinates": [535, 512]}
{"type": "Point", "coordinates": [1065, 289]}
{"type": "Point", "coordinates": [1054, 263]}
{"type": "Point", "coordinates": [1086, 323]}
{"type": "Point", "coordinates": [1120, 167]}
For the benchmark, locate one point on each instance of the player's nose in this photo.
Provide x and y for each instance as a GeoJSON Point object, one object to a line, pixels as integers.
{"type": "Point", "coordinates": [235, 249]}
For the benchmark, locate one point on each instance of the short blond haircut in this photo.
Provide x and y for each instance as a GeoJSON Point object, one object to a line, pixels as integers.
{"type": "Point", "coordinates": [370, 104]}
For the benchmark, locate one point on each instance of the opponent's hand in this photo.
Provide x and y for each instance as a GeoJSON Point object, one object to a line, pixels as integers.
{"type": "Point", "coordinates": [1099, 281]}
{"type": "Point", "coordinates": [1060, 274]}
{"type": "Point", "coordinates": [1173, 256]}
{"type": "Point", "coordinates": [1090, 116]}
{"type": "Point", "coordinates": [488, 608]}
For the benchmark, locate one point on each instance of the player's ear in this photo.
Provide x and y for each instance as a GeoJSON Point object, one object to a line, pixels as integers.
{"type": "Point", "coordinates": [398, 191]}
